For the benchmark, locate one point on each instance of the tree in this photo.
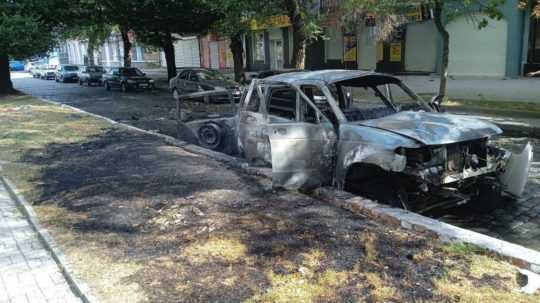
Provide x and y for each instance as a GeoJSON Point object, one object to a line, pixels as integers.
{"type": "Point", "coordinates": [533, 4]}
{"type": "Point", "coordinates": [157, 23]}
{"type": "Point", "coordinates": [28, 28]}
{"type": "Point", "coordinates": [304, 22]}
{"type": "Point", "coordinates": [123, 14]}
{"type": "Point", "coordinates": [234, 21]}
{"type": "Point", "coordinates": [390, 14]}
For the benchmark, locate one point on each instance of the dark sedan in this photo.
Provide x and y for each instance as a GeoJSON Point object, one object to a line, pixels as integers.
{"type": "Point", "coordinates": [127, 78]}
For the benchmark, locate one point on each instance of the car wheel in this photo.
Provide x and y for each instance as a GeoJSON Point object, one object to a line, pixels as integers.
{"type": "Point", "coordinates": [123, 87]}
{"type": "Point", "coordinates": [211, 136]}
{"type": "Point", "coordinates": [107, 87]}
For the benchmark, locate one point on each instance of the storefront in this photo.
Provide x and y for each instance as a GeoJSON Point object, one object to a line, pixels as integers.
{"type": "Point", "coordinates": [533, 51]}
{"type": "Point", "coordinates": [269, 44]}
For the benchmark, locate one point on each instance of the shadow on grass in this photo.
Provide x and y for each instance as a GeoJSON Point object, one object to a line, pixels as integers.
{"type": "Point", "coordinates": [204, 233]}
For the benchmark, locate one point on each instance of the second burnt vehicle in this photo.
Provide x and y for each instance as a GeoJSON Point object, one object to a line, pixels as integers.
{"type": "Point", "coordinates": [197, 79]}
{"type": "Point", "coordinates": [369, 134]}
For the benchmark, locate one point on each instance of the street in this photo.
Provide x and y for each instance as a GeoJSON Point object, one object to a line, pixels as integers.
{"type": "Point", "coordinates": [517, 222]}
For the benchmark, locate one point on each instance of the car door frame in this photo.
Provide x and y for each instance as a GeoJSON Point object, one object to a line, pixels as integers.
{"type": "Point", "coordinates": [251, 141]}
{"type": "Point", "coordinates": [303, 153]}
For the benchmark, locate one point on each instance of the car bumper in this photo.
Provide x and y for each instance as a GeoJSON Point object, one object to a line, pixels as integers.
{"type": "Point", "coordinates": [141, 85]}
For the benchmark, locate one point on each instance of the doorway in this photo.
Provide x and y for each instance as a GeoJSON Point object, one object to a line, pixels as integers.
{"type": "Point", "coordinates": [276, 54]}
{"type": "Point", "coordinates": [533, 58]}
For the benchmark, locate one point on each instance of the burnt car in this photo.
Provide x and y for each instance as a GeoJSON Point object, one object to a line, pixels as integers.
{"type": "Point", "coordinates": [127, 78]}
{"type": "Point", "coordinates": [91, 75]}
{"type": "Point", "coordinates": [190, 80]}
{"type": "Point", "coordinates": [369, 134]}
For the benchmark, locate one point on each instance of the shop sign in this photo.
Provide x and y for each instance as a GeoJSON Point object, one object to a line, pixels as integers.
{"type": "Point", "coordinates": [395, 52]}
{"type": "Point", "coordinates": [274, 21]}
{"type": "Point", "coordinates": [349, 48]}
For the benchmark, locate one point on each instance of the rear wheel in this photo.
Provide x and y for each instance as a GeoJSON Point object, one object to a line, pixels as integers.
{"type": "Point", "coordinates": [211, 136]}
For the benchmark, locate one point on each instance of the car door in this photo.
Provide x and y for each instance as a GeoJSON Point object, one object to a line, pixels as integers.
{"type": "Point", "coordinates": [191, 84]}
{"type": "Point", "coordinates": [181, 81]}
{"type": "Point", "coordinates": [115, 77]}
{"type": "Point", "coordinates": [302, 140]}
{"type": "Point", "coordinates": [251, 126]}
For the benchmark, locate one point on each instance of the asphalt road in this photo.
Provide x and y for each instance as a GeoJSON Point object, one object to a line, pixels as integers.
{"type": "Point", "coordinates": [517, 221]}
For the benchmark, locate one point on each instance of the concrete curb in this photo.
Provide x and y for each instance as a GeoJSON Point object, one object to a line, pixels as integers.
{"type": "Point", "coordinates": [518, 255]}
{"type": "Point", "coordinates": [79, 288]}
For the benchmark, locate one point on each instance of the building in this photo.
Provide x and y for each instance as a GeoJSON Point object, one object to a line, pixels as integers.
{"type": "Point", "coordinates": [109, 54]}
{"type": "Point", "coordinates": [509, 47]}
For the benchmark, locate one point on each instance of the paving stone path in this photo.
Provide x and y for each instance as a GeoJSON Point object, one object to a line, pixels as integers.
{"type": "Point", "coordinates": [28, 272]}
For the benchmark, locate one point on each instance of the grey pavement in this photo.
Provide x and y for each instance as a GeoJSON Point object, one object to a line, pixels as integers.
{"type": "Point", "coordinates": [28, 272]}
{"type": "Point", "coordinates": [492, 89]}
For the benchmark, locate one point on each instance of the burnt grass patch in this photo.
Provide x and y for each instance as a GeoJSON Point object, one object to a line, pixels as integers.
{"type": "Point", "coordinates": [158, 202]}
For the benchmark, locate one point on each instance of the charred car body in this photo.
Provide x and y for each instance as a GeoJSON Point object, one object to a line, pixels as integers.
{"type": "Point", "coordinates": [369, 134]}
{"type": "Point", "coordinates": [190, 80]}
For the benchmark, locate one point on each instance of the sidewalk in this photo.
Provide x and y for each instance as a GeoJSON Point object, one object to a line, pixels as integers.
{"type": "Point", "coordinates": [28, 272]}
{"type": "Point", "coordinates": [518, 90]}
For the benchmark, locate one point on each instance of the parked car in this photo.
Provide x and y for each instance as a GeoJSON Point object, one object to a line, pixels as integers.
{"type": "Point", "coordinates": [36, 71]}
{"type": "Point", "coordinates": [15, 65]}
{"type": "Point", "coordinates": [190, 80]}
{"type": "Point", "coordinates": [66, 73]}
{"type": "Point", "coordinates": [127, 79]}
{"type": "Point", "coordinates": [47, 72]}
{"type": "Point", "coordinates": [91, 75]}
{"type": "Point", "coordinates": [366, 133]}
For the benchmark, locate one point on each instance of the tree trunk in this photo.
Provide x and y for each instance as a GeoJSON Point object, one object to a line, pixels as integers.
{"type": "Point", "coordinates": [127, 46]}
{"type": "Point", "coordinates": [168, 48]}
{"type": "Point", "coordinates": [6, 86]}
{"type": "Point", "coordinates": [296, 16]}
{"type": "Point", "coordinates": [237, 49]}
{"type": "Point", "coordinates": [90, 50]}
{"type": "Point", "coordinates": [446, 47]}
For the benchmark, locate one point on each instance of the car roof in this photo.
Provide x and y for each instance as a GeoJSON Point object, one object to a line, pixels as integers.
{"type": "Point", "coordinates": [327, 75]}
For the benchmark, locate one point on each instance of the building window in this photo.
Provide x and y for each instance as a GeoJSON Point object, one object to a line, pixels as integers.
{"type": "Point", "coordinates": [258, 46]}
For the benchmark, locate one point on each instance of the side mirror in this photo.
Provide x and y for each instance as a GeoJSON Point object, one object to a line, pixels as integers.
{"type": "Point", "coordinates": [436, 102]}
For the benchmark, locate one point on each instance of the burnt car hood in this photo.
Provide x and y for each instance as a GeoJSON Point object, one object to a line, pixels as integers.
{"type": "Point", "coordinates": [434, 128]}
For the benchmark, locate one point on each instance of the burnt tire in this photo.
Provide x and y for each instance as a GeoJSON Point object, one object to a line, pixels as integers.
{"type": "Point", "coordinates": [211, 136]}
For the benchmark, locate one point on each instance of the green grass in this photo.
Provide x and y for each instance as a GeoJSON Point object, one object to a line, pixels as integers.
{"type": "Point", "coordinates": [507, 107]}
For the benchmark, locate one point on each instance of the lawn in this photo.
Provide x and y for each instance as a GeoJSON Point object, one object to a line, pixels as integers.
{"type": "Point", "coordinates": [507, 108]}
{"type": "Point", "coordinates": [142, 221]}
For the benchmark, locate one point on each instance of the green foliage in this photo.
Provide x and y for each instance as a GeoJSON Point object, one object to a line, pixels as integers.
{"type": "Point", "coordinates": [22, 36]}
{"type": "Point", "coordinates": [235, 15]}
